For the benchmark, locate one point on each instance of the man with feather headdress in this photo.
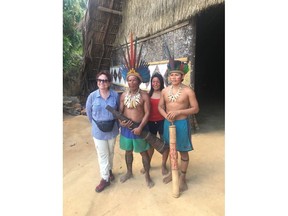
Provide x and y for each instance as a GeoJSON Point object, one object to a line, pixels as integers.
{"type": "Point", "coordinates": [135, 105]}
{"type": "Point", "coordinates": [177, 102]}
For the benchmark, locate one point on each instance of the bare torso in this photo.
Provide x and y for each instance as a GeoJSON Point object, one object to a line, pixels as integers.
{"type": "Point", "coordinates": [184, 105]}
{"type": "Point", "coordinates": [182, 102]}
{"type": "Point", "coordinates": [136, 114]}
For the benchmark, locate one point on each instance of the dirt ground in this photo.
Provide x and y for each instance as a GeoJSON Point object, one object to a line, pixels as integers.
{"type": "Point", "coordinates": [205, 175]}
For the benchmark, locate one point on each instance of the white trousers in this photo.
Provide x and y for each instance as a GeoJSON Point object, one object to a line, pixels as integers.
{"type": "Point", "coordinates": [105, 152]}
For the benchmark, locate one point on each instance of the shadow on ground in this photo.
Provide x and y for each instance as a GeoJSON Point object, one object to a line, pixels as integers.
{"type": "Point", "coordinates": [211, 117]}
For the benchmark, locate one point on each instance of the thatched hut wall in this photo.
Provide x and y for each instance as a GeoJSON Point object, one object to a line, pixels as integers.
{"type": "Point", "coordinates": [162, 21]}
{"type": "Point", "coordinates": [152, 21]}
{"type": "Point", "coordinates": [181, 43]}
{"type": "Point", "coordinates": [148, 17]}
{"type": "Point", "coordinates": [178, 41]}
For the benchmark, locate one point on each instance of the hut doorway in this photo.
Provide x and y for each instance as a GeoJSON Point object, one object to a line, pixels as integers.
{"type": "Point", "coordinates": [210, 57]}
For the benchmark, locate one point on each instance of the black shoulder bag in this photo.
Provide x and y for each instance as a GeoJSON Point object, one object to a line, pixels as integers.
{"type": "Point", "coordinates": [105, 126]}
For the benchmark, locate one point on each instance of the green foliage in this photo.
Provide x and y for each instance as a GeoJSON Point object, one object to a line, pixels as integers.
{"type": "Point", "coordinates": [73, 12]}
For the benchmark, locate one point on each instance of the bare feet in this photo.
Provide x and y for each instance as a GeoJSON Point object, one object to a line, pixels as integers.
{"type": "Point", "coordinates": [168, 178]}
{"type": "Point", "coordinates": [125, 177]}
{"type": "Point", "coordinates": [164, 170]}
{"type": "Point", "coordinates": [142, 171]}
{"type": "Point", "coordinates": [149, 182]}
{"type": "Point", "coordinates": [182, 183]}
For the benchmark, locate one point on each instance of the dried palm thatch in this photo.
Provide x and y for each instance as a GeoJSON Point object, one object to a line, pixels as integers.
{"type": "Point", "coordinates": [99, 28]}
{"type": "Point", "coordinates": [108, 22]}
{"type": "Point", "coordinates": [148, 17]}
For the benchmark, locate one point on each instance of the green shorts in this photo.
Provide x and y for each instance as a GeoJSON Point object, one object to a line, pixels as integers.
{"type": "Point", "coordinates": [130, 141]}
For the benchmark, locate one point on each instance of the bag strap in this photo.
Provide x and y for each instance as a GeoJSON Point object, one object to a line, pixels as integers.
{"type": "Point", "coordinates": [105, 120]}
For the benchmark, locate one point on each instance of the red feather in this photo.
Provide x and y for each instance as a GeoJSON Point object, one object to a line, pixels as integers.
{"type": "Point", "coordinates": [131, 50]}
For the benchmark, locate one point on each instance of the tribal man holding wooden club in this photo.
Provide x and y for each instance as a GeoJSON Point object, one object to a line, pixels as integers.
{"type": "Point", "coordinates": [135, 105]}
{"type": "Point", "coordinates": [177, 102]}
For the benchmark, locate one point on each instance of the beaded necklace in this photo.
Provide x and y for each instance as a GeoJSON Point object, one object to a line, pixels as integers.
{"type": "Point", "coordinates": [132, 101]}
{"type": "Point", "coordinates": [171, 97]}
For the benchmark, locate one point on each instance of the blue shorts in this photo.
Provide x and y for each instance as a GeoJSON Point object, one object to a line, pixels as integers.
{"type": "Point", "coordinates": [183, 134]}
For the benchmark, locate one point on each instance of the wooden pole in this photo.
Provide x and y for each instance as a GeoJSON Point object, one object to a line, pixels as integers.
{"type": "Point", "coordinates": [108, 10]}
{"type": "Point", "coordinates": [174, 161]}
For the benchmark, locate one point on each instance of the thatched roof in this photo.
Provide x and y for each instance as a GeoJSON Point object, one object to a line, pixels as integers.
{"type": "Point", "coordinates": [148, 17]}
{"type": "Point", "coordinates": [108, 22]}
{"type": "Point", "coordinates": [100, 26]}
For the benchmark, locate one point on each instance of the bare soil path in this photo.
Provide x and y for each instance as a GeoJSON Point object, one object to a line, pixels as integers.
{"type": "Point", "coordinates": [205, 175]}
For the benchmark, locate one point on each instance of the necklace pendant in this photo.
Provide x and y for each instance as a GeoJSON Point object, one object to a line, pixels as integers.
{"type": "Point", "coordinates": [132, 101]}
{"type": "Point", "coordinates": [171, 96]}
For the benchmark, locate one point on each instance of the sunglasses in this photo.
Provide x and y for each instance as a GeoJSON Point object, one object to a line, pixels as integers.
{"type": "Point", "coordinates": [102, 80]}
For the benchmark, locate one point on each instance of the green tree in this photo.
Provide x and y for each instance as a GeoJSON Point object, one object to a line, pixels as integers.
{"type": "Point", "coordinates": [73, 12]}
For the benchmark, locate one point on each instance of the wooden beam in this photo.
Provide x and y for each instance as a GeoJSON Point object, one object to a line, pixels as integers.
{"type": "Point", "coordinates": [184, 59]}
{"type": "Point", "coordinates": [180, 25]}
{"type": "Point", "coordinates": [109, 10]}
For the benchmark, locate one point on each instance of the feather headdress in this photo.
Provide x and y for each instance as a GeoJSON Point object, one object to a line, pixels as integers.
{"type": "Point", "coordinates": [175, 66]}
{"type": "Point", "coordinates": [134, 65]}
